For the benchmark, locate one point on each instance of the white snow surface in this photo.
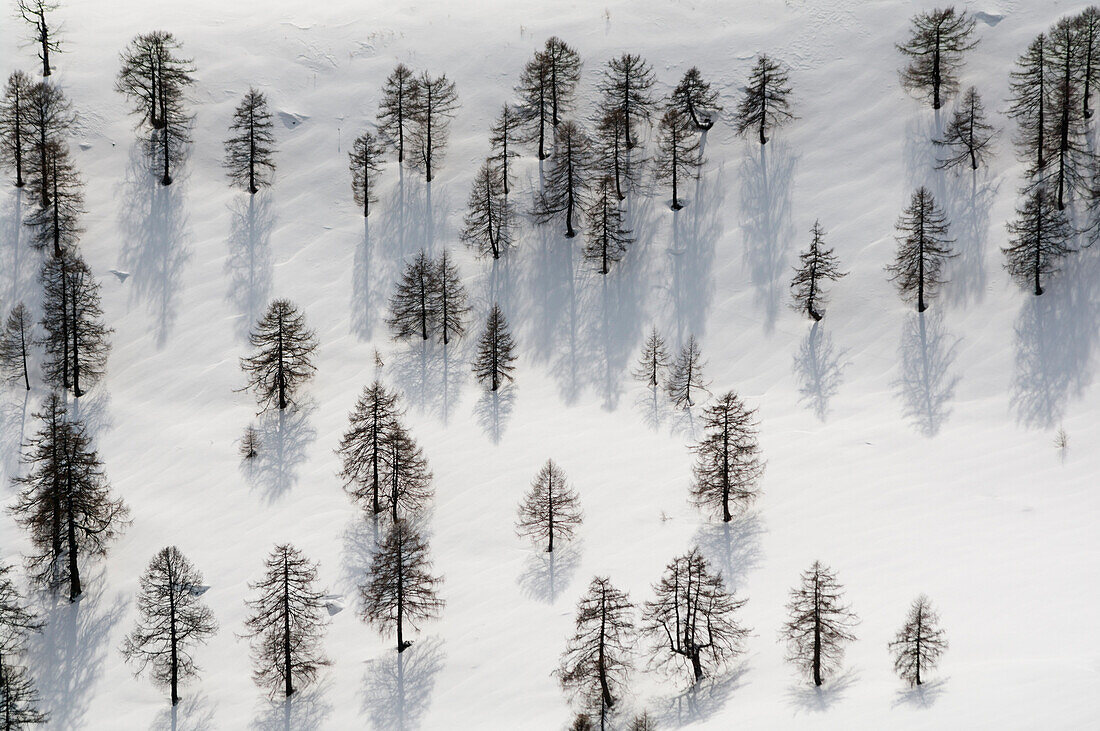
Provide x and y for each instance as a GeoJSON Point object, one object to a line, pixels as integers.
{"type": "Point", "coordinates": [910, 458]}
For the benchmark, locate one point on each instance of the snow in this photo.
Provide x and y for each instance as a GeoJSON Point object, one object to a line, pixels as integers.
{"type": "Point", "coordinates": [910, 457]}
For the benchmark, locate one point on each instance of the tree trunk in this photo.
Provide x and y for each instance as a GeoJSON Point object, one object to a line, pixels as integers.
{"type": "Point", "coordinates": [74, 567]}
{"type": "Point", "coordinates": [44, 36]}
{"type": "Point", "coordinates": [18, 139]}
{"type": "Point", "coordinates": [23, 351]}
{"type": "Point", "coordinates": [936, 72]}
{"type": "Point", "coordinates": [550, 509]}
{"type": "Point", "coordinates": [251, 148]}
{"type": "Point", "coordinates": [288, 681]}
{"type": "Point", "coordinates": [697, 665]}
{"type": "Point", "coordinates": [172, 636]}
{"type": "Point", "coordinates": [280, 373]}
{"type": "Point", "coordinates": [817, 633]}
{"type": "Point", "coordinates": [76, 345]}
{"type": "Point", "coordinates": [401, 644]}
{"type": "Point", "coordinates": [428, 149]}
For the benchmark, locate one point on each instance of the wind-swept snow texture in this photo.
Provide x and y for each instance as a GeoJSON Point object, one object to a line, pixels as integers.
{"type": "Point", "coordinates": [910, 454]}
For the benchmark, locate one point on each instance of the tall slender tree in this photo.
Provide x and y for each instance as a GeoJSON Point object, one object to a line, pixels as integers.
{"type": "Point", "coordinates": [397, 110]}
{"type": "Point", "coordinates": [503, 136]}
{"type": "Point", "coordinates": [401, 590]}
{"type": "Point", "coordinates": [286, 622]}
{"type": "Point", "coordinates": [550, 509]}
{"type": "Point", "coordinates": [622, 165]}
{"type": "Point", "coordinates": [37, 14]}
{"type": "Point", "coordinates": [172, 620]}
{"type": "Point", "coordinates": [75, 339]}
{"type": "Point", "coordinates": [412, 306]}
{"type": "Point", "coordinates": [55, 226]}
{"type": "Point", "coordinates": [923, 249]}
{"type": "Point", "coordinates": [1072, 158]}
{"type": "Point", "coordinates": [563, 69]}
{"type": "Point", "coordinates": [692, 619]}
{"type": "Point", "coordinates": [450, 299]}
{"type": "Point", "coordinates": [678, 153]}
{"type": "Point", "coordinates": [919, 643]}
{"type": "Point", "coordinates": [937, 41]}
{"type": "Point", "coordinates": [435, 106]}
{"type": "Point", "coordinates": [815, 265]}
{"type": "Point", "coordinates": [819, 624]}
{"type": "Point", "coordinates": [250, 149]}
{"type": "Point", "coordinates": [765, 103]}
{"type": "Point", "coordinates": [1039, 239]}
{"type": "Point", "coordinates": [495, 359]}
{"type": "Point", "coordinates": [606, 236]}
{"type": "Point", "coordinates": [1089, 24]}
{"type": "Point", "coordinates": [49, 119]}
{"type": "Point", "coordinates": [409, 478]}
{"type": "Point", "coordinates": [654, 362]}
{"type": "Point", "coordinates": [728, 466]}
{"type": "Point", "coordinates": [15, 142]}
{"type": "Point", "coordinates": [968, 135]}
{"type": "Point", "coordinates": [19, 700]}
{"type": "Point", "coordinates": [534, 108]}
{"type": "Point", "coordinates": [599, 657]}
{"type": "Point", "coordinates": [694, 97]}
{"type": "Point", "coordinates": [363, 448]}
{"type": "Point", "coordinates": [365, 162]}
{"type": "Point", "coordinates": [567, 182]}
{"type": "Point", "coordinates": [488, 226]}
{"type": "Point", "coordinates": [283, 357]}
{"type": "Point", "coordinates": [1028, 106]}
{"type": "Point", "coordinates": [627, 85]}
{"type": "Point", "coordinates": [686, 378]}
{"type": "Point", "coordinates": [15, 341]}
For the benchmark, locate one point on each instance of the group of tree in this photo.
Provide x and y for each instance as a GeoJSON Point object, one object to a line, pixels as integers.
{"type": "Point", "coordinates": [429, 300]}
{"type": "Point", "coordinates": [385, 473]}
{"type": "Point", "coordinates": [414, 116]}
{"type": "Point", "coordinates": [20, 705]}
{"type": "Point", "coordinates": [680, 378]}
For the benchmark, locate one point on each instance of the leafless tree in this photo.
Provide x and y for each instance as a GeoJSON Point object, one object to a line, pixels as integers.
{"type": "Point", "coordinates": [433, 110]}
{"type": "Point", "coordinates": [816, 264]}
{"type": "Point", "coordinates": [568, 178]}
{"type": "Point", "coordinates": [937, 41]}
{"type": "Point", "coordinates": [606, 236]}
{"type": "Point", "coordinates": [627, 86]}
{"type": "Point", "coordinates": [923, 249]}
{"type": "Point", "coordinates": [250, 149]}
{"type": "Point", "coordinates": [449, 299]}
{"type": "Point", "coordinates": [488, 226]}
{"type": "Point", "coordinates": [283, 357]}
{"type": "Point", "coordinates": [401, 590]}
{"type": "Point", "coordinates": [694, 97]}
{"type": "Point", "coordinates": [75, 338]}
{"type": "Point", "coordinates": [550, 509]}
{"type": "Point", "coordinates": [37, 14]}
{"type": "Point", "coordinates": [412, 306]}
{"type": "Point", "coordinates": [765, 104]}
{"type": "Point", "coordinates": [15, 341]}
{"type": "Point", "coordinates": [15, 142]}
{"type": "Point", "coordinates": [1039, 239]}
{"type": "Point", "coordinates": [919, 643]}
{"type": "Point", "coordinates": [495, 359]}
{"type": "Point", "coordinates": [968, 135]}
{"type": "Point", "coordinates": [365, 161]}
{"type": "Point", "coordinates": [819, 623]}
{"type": "Point", "coordinates": [728, 465]}
{"type": "Point", "coordinates": [654, 362]}
{"type": "Point", "coordinates": [363, 448]}
{"type": "Point", "coordinates": [396, 111]}
{"type": "Point", "coordinates": [687, 375]}
{"type": "Point", "coordinates": [678, 156]}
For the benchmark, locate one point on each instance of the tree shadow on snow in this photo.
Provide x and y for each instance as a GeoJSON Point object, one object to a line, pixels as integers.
{"type": "Point", "coordinates": [69, 654]}
{"type": "Point", "coordinates": [368, 296]}
{"type": "Point", "coordinates": [926, 383]}
{"type": "Point", "coordinates": [701, 701]}
{"type": "Point", "coordinates": [306, 709]}
{"type": "Point", "coordinates": [193, 713]}
{"type": "Point", "coordinates": [154, 248]}
{"type": "Point", "coordinates": [397, 687]}
{"type": "Point", "coordinates": [285, 436]}
{"type": "Point", "coordinates": [546, 574]}
{"type": "Point", "coordinates": [14, 412]}
{"type": "Point", "coordinates": [493, 409]}
{"type": "Point", "coordinates": [654, 405]}
{"type": "Point", "coordinates": [409, 219]}
{"type": "Point", "coordinates": [553, 334]}
{"type": "Point", "coordinates": [20, 263]}
{"type": "Point", "coordinates": [805, 697]}
{"type": "Point", "coordinates": [819, 368]}
{"type": "Point", "coordinates": [361, 540]}
{"type": "Point", "coordinates": [969, 196]}
{"type": "Point", "coordinates": [431, 375]}
{"type": "Point", "coordinates": [733, 547]}
{"type": "Point", "coordinates": [767, 176]}
{"type": "Point", "coordinates": [696, 229]}
{"type": "Point", "coordinates": [920, 696]}
{"type": "Point", "coordinates": [249, 264]}
{"type": "Point", "coordinates": [1056, 337]}
{"type": "Point", "coordinates": [94, 409]}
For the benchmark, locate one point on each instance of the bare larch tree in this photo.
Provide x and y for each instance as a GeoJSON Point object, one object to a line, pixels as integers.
{"type": "Point", "coordinates": [19, 700]}
{"type": "Point", "coordinates": [627, 86]}
{"type": "Point", "coordinates": [495, 359]}
{"type": "Point", "coordinates": [1069, 148]}
{"type": "Point", "coordinates": [251, 444]}
{"type": "Point", "coordinates": [365, 162]}
{"type": "Point", "coordinates": [286, 622]}
{"type": "Point", "coordinates": [567, 181]}
{"type": "Point", "coordinates": [155, 78]}
{"type": "Point", "coordinates": [622, 165]}
{"type": "Point", "coordinates": [1039, 239]}
{"type": "Point", "coordinates": [923, 249]}
{"type": "Point", "coordinates": [283, 355]}
{"type": "Point", "coordinates": [409, 479]}
{"type": "Point", "coordinates": [550, 509]}
{"type": "Point", "coordinates": [396, 111]}
{"type": "Point", "coordinates": [937, 41]}
{"type": "Point", "coordinates": [15, 341]}
{"type": "Point", "coordinates": [75, 339]}
{"type": "Point", "coordinates": [1089, 24]}
{"type": "Point", "coordinates": [686, 377]}
{"type": "Point", "coordinates": [435, 106]}
{"type": "Point", "coordinates": [49, 119]}
{"type": "Point", "coordinates": [694, 97]}
{"type": "Point", "coordinates": [819, 624]}
{"type": "Point", "coordinates": [765, 103]}
{"type": "Point", "coordinates": [546, 89]}
{"type": "Point", "coordinates": [449, 299]}
{"type": "Point", "coordinates": [412, 305]}
{"type": "Point", "coordinates": [363, 448]}
{"type": "Point", "coordinates": [599, 656]}
{"type": "Point", "coordinates": [728, 466]}
{"type": "Point", "coordinates": [919, 643]}
{"type": "Point", "coordinates": [14, 123]}
{"type": "Point", "coordinates": [401, 590]}
{"type": "Point", "coordinates": [606, 236]}
{"type": "Point", "coordinates": [172, 620]}
{"type": "Point", "coordinates": [503, 136]}
{"type": "Point", "coordinates": [37, 14]}
{"type": "Point", "coordinates": [55, 226]}
{"type": "Point", "coordinates": [489, 214]}
{"type": "Point", "coordinates": [1028, 102]}
{"type": "Point", "coordinates": [815, 265]}
{"type": "Point", "coordinates": [968, 135]}
{"type": "Point", "coordinates": [692, 619]}
{"type": "Point", "coordinates": [250, 149]}
{"type": "Point", "coordinates": [678, 155]}
{"type": "Point", "coordinates": [654, 362]}
{"type": "Point", "coordinates": [64, 500]}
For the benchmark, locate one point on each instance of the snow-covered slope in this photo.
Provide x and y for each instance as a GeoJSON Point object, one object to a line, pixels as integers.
{"type": "Point", "coordinates": [910, 457]}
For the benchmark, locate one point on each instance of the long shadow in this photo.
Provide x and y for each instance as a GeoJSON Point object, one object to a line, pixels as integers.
{"type": "Point", "coordinates": [13, 430]}
{"type": "Point", "coordinates": [922, 155]}
{"type": "Point", "coordinates": [306, 709]}
{"type": "Point", "coordinates": [695, 232]}
{"type": "Point", "coordinates": [285, 436]}
{"type": "Point", "coordinates": [927, 382]}
{"type": "Point", "coordinates": [361, 539]}
{"type": "Point", "coordinates": [94, 409]}
{"type": "Point", "coordinates": [69, 654]}
{"type": "Point", "coordinates": [920, 696]}
{"type": "Point", "coordinates": [21, 263]}
{"type": "Point", "coordinates": [192, 713]}
{"type": "Point", "coordinates": [410, 219]}
{"type": "Point", "coordinates": [368, 294]}
{"type": "Point", "coordinates": [1056, 339]}
{"type": "Point", "coordinates": [968, 197]}
{"type": "Point", "coordinates": [621, 314]}
{"type": "Point", "coordinates": [806, 697]}
{"type": "Point", "coordinates": [546, 574]}
{"type": "Point", "coordinates": [819, 368]}
{"type": "Point", "coordinates": [733, 547]}
{"type": "Point", "coordinates": [701, 701]}
{"type": "Point", "coordinates": [397, 688]}
{"type": "Point", "coordinates": [654, 405]}
{"type": "Point", "coordinates": [249, 264]}
{"type": "Point", "coordinates": [493, 409]}
{"type": "Point", "coordinates": [154, 247]}
{"type": "Point", "coordinates": [553, 335]}
{"type": "Point", "coordinates": [767, 176]}
{"type": "Point", "coordinates": [431, 375]}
